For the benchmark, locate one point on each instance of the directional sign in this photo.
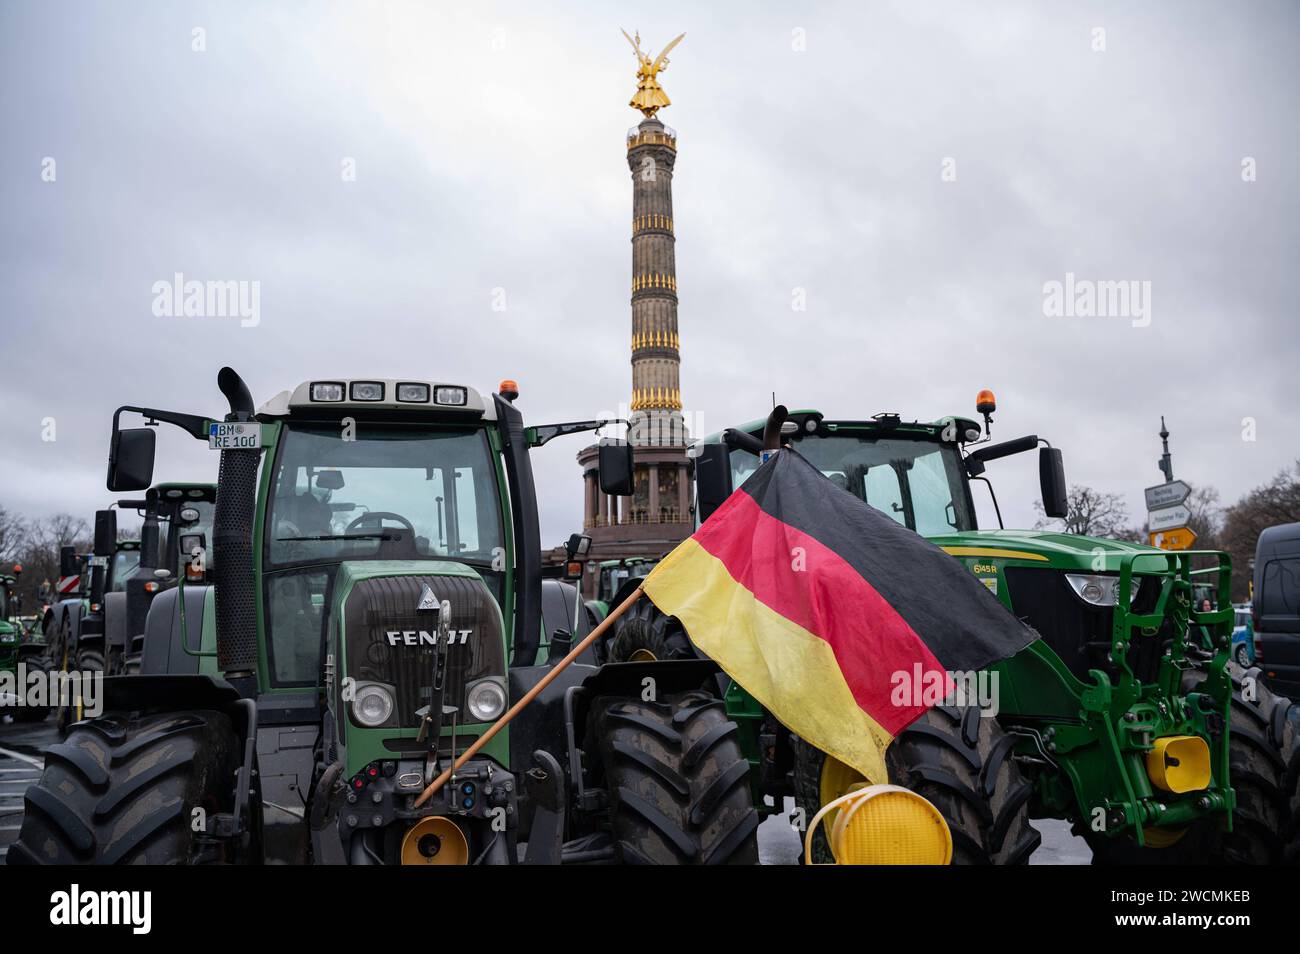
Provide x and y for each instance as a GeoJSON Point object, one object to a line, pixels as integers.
{"type": "Point", "coordinates": [1179, 538]}
{"type": "Point", "coordinates": [1168, 518]}
{"type": "Point", "coordinates": [1167, 495]}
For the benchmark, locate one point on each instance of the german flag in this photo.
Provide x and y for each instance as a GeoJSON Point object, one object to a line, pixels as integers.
{"type": "Point", "coordinates": [822, 607]}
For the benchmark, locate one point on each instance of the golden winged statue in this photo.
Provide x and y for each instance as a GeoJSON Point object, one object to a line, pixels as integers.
{"type": "Point", "coordinates": [650, 96]}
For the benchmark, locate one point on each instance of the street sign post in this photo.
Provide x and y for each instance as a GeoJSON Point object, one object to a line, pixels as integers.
{"type": "Point", "coordinates": [1167, 495]}
{"type": "Point", "coordinates": [1177, 538]}
{"type": "Point", "coordinates": [1168, 518]}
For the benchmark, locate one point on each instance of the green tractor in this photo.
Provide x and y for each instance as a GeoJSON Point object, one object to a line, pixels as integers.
{"type": "Point", "coordinates": [21, 644]}
{"type": "Point", "coordinates": [612, 574]}
{"type": "Point", "coordinates": [1122, 718]}
{"type": "Point", "coordinates": [377, 603]}
{"type": "Point", "coordinates": [74, 626]}
{"type": "Point", "coordinates": [174, 545]}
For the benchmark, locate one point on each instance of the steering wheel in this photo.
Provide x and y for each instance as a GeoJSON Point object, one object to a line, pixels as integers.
{"type": "Point", "coordinates": [377, 517]}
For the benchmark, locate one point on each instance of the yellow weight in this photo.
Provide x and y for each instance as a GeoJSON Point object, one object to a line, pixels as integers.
{"type": "Point", "coordinates": [435, 841]}
{"type": "Point", "coordinates": [1179, 763]}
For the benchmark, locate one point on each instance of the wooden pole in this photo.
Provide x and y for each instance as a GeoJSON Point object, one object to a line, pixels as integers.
{"type": "Point", "coordinates": [528, 697]}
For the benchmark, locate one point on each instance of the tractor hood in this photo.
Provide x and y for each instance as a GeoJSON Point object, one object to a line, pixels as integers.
{"type": "Point", "coordinates": [1044, 547]}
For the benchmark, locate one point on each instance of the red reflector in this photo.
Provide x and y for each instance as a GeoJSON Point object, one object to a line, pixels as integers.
{"type": "Point", "coordinates": [151, 587]}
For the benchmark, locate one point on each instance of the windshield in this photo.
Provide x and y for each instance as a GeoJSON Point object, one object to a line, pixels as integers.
{"type": "Point", "coordinates": [916, 482]}
{"type": "Point", "coordinates": [124, 564]}
{"type": "Point", "coordinates": [391, 491]}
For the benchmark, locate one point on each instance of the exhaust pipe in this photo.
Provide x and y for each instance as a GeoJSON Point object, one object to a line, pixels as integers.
{"type": "Point", "coordinates": [232, 538]}
{"type": "Point", "coordinates": [772, 429]}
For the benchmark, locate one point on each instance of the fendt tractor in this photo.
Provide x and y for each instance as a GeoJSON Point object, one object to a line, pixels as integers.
{"type": "Point", "coordinates": [1122, 718]}
{"type": "Point", "coordinates": [376, 604]}
{"type": "Point", "coordinates": [19, 643]}
{"type": "Point", "coordinates": [174, 544]}
{"type": "Point", "coordinates": [100, 627]}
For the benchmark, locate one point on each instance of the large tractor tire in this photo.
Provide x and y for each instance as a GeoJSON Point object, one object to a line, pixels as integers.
{"type": "Point", "coordinates": [33, 713]}
{"type": "Point", "coordinates": [86, 661]}
{"type": "Point", "coordinates": [124, 790]}
{"type": "Point", "coordinates": [677, 781]}
{"type": "Point", "coordinates": [1262, 744]}
{"type": "Point", "coordinates": [960, 762]}
{"type": "Point", "coordinates": [1262, 741]}
{"type": "Point", "coordinates": [644, 634]}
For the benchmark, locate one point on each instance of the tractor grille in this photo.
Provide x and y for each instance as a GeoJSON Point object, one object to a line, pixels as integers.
{"type": "Point", "coordinates": [378, 608]}
{"type": "Point", "coordinates": [1077, 632]}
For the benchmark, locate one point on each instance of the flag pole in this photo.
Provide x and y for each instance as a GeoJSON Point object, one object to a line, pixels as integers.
{"type": "Point", "coordinates": [528, 697]}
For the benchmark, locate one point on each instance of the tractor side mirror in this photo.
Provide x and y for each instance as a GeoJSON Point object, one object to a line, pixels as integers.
{"type": "Point", "coordinates": [615, 463]}
{"type": "Point", "coordinates": [130, 459]}
{"type": "Point", "coordinates": [69, 565]}
{"type": "Point", "coordinates": [577, 546]}
{"type": "Point", "coordinates": [1051, 481]}
{"type": "Point", "coordinates": [712, 478]}
{"type": "Point", "coordinates": [105, 532]}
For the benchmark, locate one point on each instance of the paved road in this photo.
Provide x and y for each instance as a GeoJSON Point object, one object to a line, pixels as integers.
{"type": "Point", "coordinates": [780, 844]}
{"type": "Point", "coordinates": [21, 745]}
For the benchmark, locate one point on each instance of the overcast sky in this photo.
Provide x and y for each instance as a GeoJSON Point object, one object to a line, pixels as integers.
{"type": "Point", "coordinates": [488, 149]}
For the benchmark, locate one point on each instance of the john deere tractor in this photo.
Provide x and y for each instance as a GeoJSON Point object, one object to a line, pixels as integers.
{"type": "Point", "coordinates": [1122, 718]}
{"type": "Point", "coordinates": [377, 604]}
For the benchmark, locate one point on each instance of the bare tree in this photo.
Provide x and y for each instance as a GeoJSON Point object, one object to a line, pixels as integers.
{"type": "Point", "coordinates": [1090, 513]}
{"type": "Point", "coordinates": [1275, 502]}
{"type": "Point", "coordinates": [39, 553]}
{"type": "Point", "coordinates": [13, 533]}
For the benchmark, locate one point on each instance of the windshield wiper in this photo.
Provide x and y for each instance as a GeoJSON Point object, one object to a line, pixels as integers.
{"type": "Point", "coordinates": [339, 536]}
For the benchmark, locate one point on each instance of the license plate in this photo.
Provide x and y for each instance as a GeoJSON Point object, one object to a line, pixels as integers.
{"type": "Point", "coordinates": [236, 436]}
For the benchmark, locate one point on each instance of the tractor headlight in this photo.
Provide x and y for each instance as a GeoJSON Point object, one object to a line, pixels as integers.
{"type": "Point", "coordinates": [486, 699]}
{"type": "Point", "coordinates": [367, 390]}
{"type": "Point", "coordinates": [326, 391]}
{"type": "Point", "coordinates": [372, 705]}
{"type": "Point", "coordinates": [1100, 590]}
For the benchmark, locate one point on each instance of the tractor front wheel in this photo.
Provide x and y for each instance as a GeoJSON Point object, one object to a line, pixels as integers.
{"type": "Point", "coordinates": [1262, 743]}
{"type": "Point", "coordinates": [676, 780]}
{"type": "Point", "coordinates": [34, 713]}
{"type": "Point", "coordinates": [131, 790]}
{"type": "Point", "coordinates": [957, 760]}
